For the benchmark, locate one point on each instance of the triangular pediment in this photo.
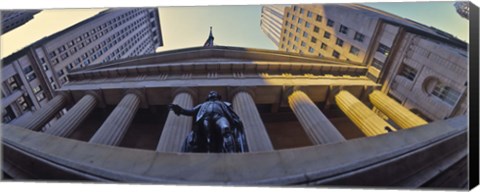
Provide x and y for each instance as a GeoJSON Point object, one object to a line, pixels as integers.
{"type": "Point", "coordinates": [215, 54]}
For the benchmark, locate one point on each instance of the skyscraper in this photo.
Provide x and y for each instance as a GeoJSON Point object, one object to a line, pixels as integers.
{"type": "Point", "coordinates": [30, 75]}
{"type": "Point", "coordinates": [463, 8]}
{"type": "Point", "coordinates": [399, 53]}
{"type": "Point", "coordinates": [271, 21]}
{"type": "Point", "coordinates": [14, 19]}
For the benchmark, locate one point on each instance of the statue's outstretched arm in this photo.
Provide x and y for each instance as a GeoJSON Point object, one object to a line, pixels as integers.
{"type": "Point", "coordinates": [179, 110]}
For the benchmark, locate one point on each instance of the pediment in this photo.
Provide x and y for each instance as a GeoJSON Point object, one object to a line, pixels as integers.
{"type": "Point", "coordinates": [218, 54]}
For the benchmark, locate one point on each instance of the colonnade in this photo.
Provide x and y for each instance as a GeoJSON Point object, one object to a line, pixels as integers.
{"type": "Point", "coordinates": [318, 128]}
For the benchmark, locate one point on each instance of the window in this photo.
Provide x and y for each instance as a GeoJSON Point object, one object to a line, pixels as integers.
{"type": "Point", "coordinates": [37, 89]}
{"type": "Point", "coordinates": [311, 50]}
{"type": "Point", "coordinates": [61, 48]}
{"type": "Point", "coordinates": [307, 24]}
{"type": "Point", "coordinates": [301, 10]}
{"type": "Point", "coordinates": [296, 39]}
{"type": "Point", "coordinates": [64, 56]}
{"type": "Point", "coordinates": [446, 94]}
{"type": "Point", "coordinates": [40, 97]}
{"type": "Point", "coordinates": [336, 54]}
{"type": "Point", "coordinates": [52, 54]}
{"type": "Point", "coordinates": [354, 50]}
{"type": "Point", "coordinates": [319, 18]}
{"type": "Point", "coordinates": [313, 40]}
{"type": "Point", "coordinates": [286, 23]}
{"type": "Point", "coordinates": [324, 46]}
{"type": "Point", "coordinates": [343, 29]}
{"type": "Point", "coordinates": [359, 37]}
{"type": "Point", "coordinates": [309, 14]}
{"type": "Point", "coordinates": [45, 67]}
{"type": "Point", "coordinates": [294, 47]}
{"type": "Point", "coordinates": [377, 64]}
{"type": "Point", "coordinates": [42, 60]}
{"type": "Point", "coordinates": [294, 8]}
{"type": "Point", "coordinates": [290, 34]}
{"type": "Point", "coordinates": [330, 23]}
{"type": "Point", "coordinates": [27, 69]}
{"type": "Point", "coordinates": [300, 20]}
{"type": "Point", "coordinates": [303, 44]}
{"type": "Point", "coordinates": [408, 72]}
{"type": "Point", "coordinates": [298, 29]}
{"type": "Point", "coordinates": [60, 73]}
{"type": "Point", "coordinates": [316, 29]}
{"type": "Point", "coordinates": [31, 77]}
{"type": "Point", "coordinates": [339, 42]}
{"type": "Point", "coordinates": [383, 49]}
{"type": "Point", "coordinates": [305, 34]}
{"type": "Point", "coordinates": [55, 61]}
{"type": "Point", "coordinates": [71, 43]}
{"type": "Point", "coordinates": [294, 17]}
{"type": "Point", "coordinates": [326, 35]}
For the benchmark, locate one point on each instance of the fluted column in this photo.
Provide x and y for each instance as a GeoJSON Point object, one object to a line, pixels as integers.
{"type": "Point", "coordinates": [115, 126]}
{"type": "Point", "coordinates": [318, 128]}
{"type": "Point", "coordinates": [393, 110]}
{"type": "Point", "coordinates": [365, 119]}
{"type": "Point", "coordinates": [72, 119]}
{"type": "Point", "coordinates": [42, 116]}
{"type": "Point", "coordinates": [255, 132]}
{"type": "Point", "coordinates": [176, 127]}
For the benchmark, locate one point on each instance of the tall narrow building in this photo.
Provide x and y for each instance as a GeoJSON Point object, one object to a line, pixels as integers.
{"type": "Point", "coordinates": [30, 75]}
{"type": "Point", "coordinates": [14, 19]}
{"type": "Point", "coordinates": [271, 21]}
{"type": "Point", "coordinates": [463, 8]}
{"type": "Point", "coordinates": [402, 55]}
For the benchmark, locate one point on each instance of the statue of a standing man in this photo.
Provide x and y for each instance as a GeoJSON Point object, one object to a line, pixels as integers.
{"type": "Point", "coordinates": [216, 127]}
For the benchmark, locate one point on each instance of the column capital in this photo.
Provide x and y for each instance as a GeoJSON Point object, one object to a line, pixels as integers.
{"type": "Point", "coordinates": [140, 93]}
{"type": "Point", "coordinates": [235, 90]}
{"type": "Point", "coordinates": [98, 94]}
{"type": "Point", "coordinates": [193, 93]}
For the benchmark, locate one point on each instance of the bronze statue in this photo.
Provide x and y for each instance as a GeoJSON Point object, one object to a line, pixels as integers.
{"type": "Point", "coordinates": [216, 129]}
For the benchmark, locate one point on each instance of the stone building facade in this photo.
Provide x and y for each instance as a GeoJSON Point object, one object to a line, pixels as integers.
{"type": "Point", "coordinates": [372, 38]}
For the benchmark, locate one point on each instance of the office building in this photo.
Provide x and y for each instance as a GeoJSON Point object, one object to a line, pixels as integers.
{"type": "Point", "coordinates": [463, 8]}
{"type": "Point", "coordinates": [14, 19]}
{"type": "Point", "coordinates": [271, 21]}
{"type": "Point", "coordinates": [31, 75]}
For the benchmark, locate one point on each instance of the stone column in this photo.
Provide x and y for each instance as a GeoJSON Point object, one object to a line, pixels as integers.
{"type": "Point", "coordinates": [364, 118]}
{"type": "Point", "coordinates": [318, 128]}
{"type": "Point", "coordinates": [72, 119]}
{"type": "Point", "coordinates": [176, 127]}
{"type": "Point", "coordinates": [115, 126]}
{"type": "Point", "coordinates": [255, 132]}
{"type": "Point", "coordinates": [39, 118]}
{"type": "Point", "coordinates": [393, 110]}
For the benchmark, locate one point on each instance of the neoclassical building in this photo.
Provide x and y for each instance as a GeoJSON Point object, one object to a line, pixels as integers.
{"type": "Point", "coordinates": [307, 121]}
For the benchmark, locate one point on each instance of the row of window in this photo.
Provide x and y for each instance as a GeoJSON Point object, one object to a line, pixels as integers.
{"type": "Point", "coordinates": [330, 23]}
{"type": "Point", "coordinates": [97, 51]}
{"type": "Point", "coordinates": [96, 33]}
